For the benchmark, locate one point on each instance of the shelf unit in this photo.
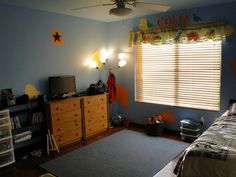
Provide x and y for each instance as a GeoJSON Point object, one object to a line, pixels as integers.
{"type": "Point", "coordinates": [24, 113]}
{"type": "Point", "coordinates": [6, 145]}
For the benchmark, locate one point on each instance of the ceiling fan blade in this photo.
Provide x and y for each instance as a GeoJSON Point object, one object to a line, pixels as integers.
{"type": "Point", "coordinates": [152, 6]}
{"type": "Point", "coordinates": [86, 7]}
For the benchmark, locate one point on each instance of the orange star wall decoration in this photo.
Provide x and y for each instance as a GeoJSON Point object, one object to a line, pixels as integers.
{"type": "Point", "coordinates": [56, 37]}
{"type": "Point", "coordinates": [233, 65]}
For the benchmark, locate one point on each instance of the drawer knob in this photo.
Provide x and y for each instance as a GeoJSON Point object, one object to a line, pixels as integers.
{"type": "Point", "coordinates": [76, 124]}
{"type": "Point", "coordinates": [102, 108]}
{"type": "Point", "coordinates": [59, 140]}
{"type": "Point", "coordinates": [88, 111]}
{"type": "Point", "coordinates": [58, 119]}
{"type": "Point", "coordinates": [90, 130]}
{"type": "Point", "coordinates": [57, 108]}
{"type": "Point", "coordinates": [102, 116]}
{"type": "Point", "coordinates": [103, 125]}
{"type": "Point", "coordinates": [59, 129]}
{"type": "Point", "coordinates": [74, 104]}
{"type": "Point", "coordinates": [88, 102]}
{"type": "Point", "coordinates": [76, 115]}
{"type": "Point", "coordinates": [102, 99]}
{"type": "Point", "coordinates": [76, 134]}
{"type": "Point", "coordinates": [89, 120]}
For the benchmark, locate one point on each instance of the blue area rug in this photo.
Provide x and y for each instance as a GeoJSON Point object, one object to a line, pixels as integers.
{"type": "Point", "coordinates": [123, 154]}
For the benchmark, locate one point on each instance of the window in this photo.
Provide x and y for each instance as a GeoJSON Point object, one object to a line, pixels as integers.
{"type": "Point", "coordinates": [186, 75]}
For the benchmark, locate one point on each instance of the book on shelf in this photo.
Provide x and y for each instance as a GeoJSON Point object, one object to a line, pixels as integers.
{"type": "Point", "coordinates": [20, 137]}
{"type": "Point", "coordinates": [12, 124]}
{"type": "Point", "coordinates": [37, 118]}
{"type": "Point", "coordinates": [15, 123]}
{"type": "Point", "coordinates": [18, 122]}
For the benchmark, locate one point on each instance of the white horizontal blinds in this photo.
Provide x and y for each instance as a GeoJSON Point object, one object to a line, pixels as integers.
{"type": "Point", "coordinates": [199, 68]}
{"type": "Point", "coordinates": [155, 74]}
{"type": "Point", "coordinates": [185, 75]}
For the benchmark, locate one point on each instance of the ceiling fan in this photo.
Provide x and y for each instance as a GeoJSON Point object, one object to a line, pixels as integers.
{"type": "Point", "coordinates": [122, 10]}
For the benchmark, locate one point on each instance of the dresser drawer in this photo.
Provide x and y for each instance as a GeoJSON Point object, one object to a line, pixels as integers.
{"type": "Point", "coordinates": [75, 104]}
{"type": "Point", "coordinates": [65, 106]}
{"type": "Point", "coordinates": [68, 137]}
{"type": "Point", "coordinates": [66, 116]}
{"type": "Point", "coordinates": [57, 108]}
{"type": "Point", "coordinates": [97, 127]}
{"type": "Point", "coordinates": [95, 118]}
{"type": "Point", "coordinates": [90, 110]}
{"type": "Point", "coordinates": [95, 100]}
{"type": "Point", "coordinates": [66, 126]}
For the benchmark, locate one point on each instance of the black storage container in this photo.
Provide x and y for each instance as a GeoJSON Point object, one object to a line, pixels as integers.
{"type": "Point", "coordinates": [190, 129]}
{"type": "Point", "coordinates": [190, 124]}
{"type": "Point", "coordinates": [155, 129]}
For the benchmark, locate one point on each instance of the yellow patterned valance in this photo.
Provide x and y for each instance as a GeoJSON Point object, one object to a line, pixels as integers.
{"type": "Point", "coordinates": [214, 30]}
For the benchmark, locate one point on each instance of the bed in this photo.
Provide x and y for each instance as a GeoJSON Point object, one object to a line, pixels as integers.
{"type": "Point", "coordinates": [213, 154]}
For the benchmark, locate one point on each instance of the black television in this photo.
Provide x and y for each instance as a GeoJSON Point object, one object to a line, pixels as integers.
{"type": "Point", "coordinates": [62, 86]}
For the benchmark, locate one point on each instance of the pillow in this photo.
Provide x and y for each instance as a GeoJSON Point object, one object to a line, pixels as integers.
{"type": "Point", "coordinates": [231, 101]}
{"type": "Point", "coordinates": [232, 110]}
{"type": "Point", "coordinates": [226, 113]}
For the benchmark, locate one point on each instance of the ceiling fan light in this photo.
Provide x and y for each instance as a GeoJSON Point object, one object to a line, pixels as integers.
{"type": "Point", "coordinates": [121, 11]}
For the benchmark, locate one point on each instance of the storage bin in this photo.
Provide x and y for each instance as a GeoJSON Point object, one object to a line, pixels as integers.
{"type": "Point", "coordinates": [190, 129]}
{"type": "Point", "coordinates": [155, 129]}
{"type": "Point", "coordinates": [188, 138]}
{"type": "Point", "coordinates": [5, 145]}
{"type": "Point", "coordinates": [6, 158]}
{"type": "Point", "coordinates": [4, 121]}
{"type": "Point", "coordinates": [193, 132]}
{"type": "Point", "coordinates": [190, 124]}
{"type": "Point", "coordinates": [5, 131]}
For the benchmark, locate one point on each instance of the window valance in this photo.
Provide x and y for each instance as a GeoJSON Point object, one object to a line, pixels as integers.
{"type": "Point", "coordinates": [214, 30]}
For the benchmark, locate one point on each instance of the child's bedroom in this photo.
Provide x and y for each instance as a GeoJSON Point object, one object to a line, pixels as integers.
{"type": "Point", "coordinates": [118, 88]}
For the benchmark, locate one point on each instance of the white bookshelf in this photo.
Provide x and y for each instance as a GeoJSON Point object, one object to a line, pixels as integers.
{"type": "Point", "coordinates": [6, 145]}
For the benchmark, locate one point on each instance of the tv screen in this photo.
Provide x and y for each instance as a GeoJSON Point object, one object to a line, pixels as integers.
{"type": "Point", "coordinates": [62, 85]}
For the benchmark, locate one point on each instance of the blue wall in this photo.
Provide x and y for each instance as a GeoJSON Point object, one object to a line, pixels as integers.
{"type": "Point", "coordinates": [29, 56]}
{"type": "Point", "coordinates": [136, 111]}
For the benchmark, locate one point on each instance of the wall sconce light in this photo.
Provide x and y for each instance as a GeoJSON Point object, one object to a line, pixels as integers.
{"type": "Point", "coordinates": [104, 57]}
{"type": "Point", "coordinates": [122, 61]}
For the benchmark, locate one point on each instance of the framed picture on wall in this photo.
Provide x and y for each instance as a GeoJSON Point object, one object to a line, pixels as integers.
{"type": "Point", "coordinates": [8, 99]}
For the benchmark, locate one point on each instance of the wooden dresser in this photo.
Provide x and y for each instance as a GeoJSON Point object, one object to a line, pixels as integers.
{"type": "Point", "coordinates": [65, 120]}
{"type": "Point", "coordinates": [95, 114]}
{"type": "Point", "coordinates": [75, 118]}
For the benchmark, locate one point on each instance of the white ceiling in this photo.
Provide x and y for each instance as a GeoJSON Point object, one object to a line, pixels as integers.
{"type": "Point", "coordinates": [101, 13]}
